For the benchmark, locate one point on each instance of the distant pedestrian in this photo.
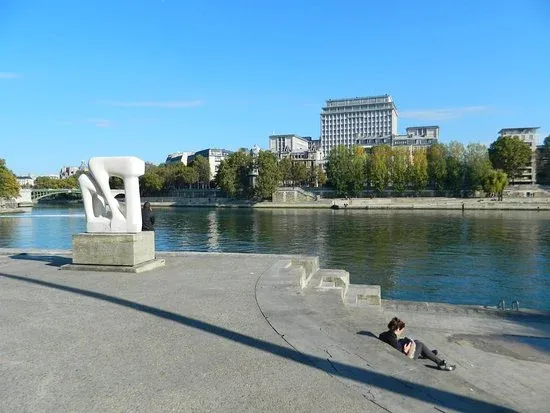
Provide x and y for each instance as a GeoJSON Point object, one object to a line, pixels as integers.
{"type": "Point", "coordinates": [147, 217]}
{"type": "Point", "coordinates": [413, 349]}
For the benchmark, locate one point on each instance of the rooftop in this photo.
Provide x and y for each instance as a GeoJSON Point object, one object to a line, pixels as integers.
{"type": "Point", "coordinates": [518, 129]}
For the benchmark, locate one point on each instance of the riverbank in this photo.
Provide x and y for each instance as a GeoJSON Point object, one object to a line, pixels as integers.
{"type": "Point", "coordinates": [512, 204]}
{"type": "Point", "coordinates": [14, 210]}
{"type": "Point", "coordinates": [240, 332]}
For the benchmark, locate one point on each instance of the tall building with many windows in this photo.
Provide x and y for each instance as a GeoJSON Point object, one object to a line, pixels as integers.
{"type": "Point", "coordinates": [344, 121]}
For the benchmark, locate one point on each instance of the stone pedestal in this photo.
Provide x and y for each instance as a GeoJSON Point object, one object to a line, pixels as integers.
{"type": "Point", "coordinates": [122, 252]}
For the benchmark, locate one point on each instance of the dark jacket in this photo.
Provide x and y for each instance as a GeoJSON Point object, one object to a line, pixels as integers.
{"type": "Point", "coordinates": [390, 338]}
{"type": "Point", "coordinates": [147, 220]}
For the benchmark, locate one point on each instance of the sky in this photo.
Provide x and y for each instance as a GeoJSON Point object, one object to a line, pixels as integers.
{"type": "Point", "coordinates": [151, 77]}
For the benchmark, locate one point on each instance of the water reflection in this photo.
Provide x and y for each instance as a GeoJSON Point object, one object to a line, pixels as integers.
{"type": "Point", "coordinates": [449, 256]}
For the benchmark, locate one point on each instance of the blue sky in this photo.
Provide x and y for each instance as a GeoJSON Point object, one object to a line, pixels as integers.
{"type": "Point", "coordinates": [151, 77]}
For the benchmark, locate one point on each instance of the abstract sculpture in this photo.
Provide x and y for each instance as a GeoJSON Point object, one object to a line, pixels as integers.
{"type": "Point", "coordinates": [103, 212]}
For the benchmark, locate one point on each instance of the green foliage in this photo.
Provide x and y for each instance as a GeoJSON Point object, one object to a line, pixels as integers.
{"type": "Point", "coordinates": [346, 170]}
{"type": "Point", "coordinates": [418, 170]}
{"type": "Point", "coordinates": [269, 175]}
{"type": "Point", "coordinates": [380, 168]}
{"type": "Point", "coordinates": [454, 163]}
{"type": "Point", "coordinates": [399, 168]}
{"type": "Point", "coordinates": [115, 182]}
{"type": "Point", "coordinates": [510, 154]}
{"type": "Point", "coordinates": [202, 167]}
{"type": "Point", "coordinates": [477, 165]}
{"type": "Point", "coordinates": [321, 175]}
{"type": "Point", "coordinates": [437, 165]}
{"type": "Point", "coordinates": [299, 173]}
{"type": "Point", "coordinates": [45, 182]}
{"type": "Point", "coordinates": [285, 169]}
{"type": "Point", "coordinates": [232, 176]}
{"type": "Point", "coordinates": [151, 182]}
{"type": "Point", "coordinates": [495, 182]}
{"type": "Point", "coordinates": [9, 188]}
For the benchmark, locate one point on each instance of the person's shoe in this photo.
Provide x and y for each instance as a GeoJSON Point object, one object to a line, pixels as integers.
{"type": "Point", "coordinates": [446, 367]}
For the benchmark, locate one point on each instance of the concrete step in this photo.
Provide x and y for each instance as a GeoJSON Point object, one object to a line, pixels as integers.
{"type": "Point", "coordinates": [363, 295]}
{"type": "Point", "coordinates": [309, 265]}
{"type": "Point", "coordinates": [313, 278]}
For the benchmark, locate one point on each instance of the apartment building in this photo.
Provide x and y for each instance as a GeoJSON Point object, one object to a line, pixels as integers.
{"type": "Point", "coordinates": [214, 157]}
{"type": "Point", "coordinates": [528, 135]}
{"type": "Point", "coordinates": [345, 121]}
{"type": "Point", "coordinates": [178, 157]}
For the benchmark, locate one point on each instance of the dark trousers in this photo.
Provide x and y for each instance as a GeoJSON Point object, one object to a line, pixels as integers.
{"type": "Point", "coordinates": [423, 351]}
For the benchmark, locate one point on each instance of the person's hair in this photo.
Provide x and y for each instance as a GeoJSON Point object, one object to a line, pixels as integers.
{"type": "Point", "coordinates": [396, 324]}
{"type": "Point", "coordinates": [147, 205]}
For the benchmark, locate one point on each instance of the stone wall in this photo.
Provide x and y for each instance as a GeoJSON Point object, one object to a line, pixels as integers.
{"type": "Point", "coordinates": [292, 196]}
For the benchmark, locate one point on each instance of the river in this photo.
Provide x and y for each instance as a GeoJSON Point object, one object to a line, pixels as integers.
{"type": "Point", "coordinates": [476, 257]}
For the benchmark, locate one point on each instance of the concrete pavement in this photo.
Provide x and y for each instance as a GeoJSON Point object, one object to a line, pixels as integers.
{"type": "Point", "coordinates": [236, 332]}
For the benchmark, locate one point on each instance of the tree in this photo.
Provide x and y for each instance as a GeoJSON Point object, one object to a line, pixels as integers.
{"type": "Point", "coordinates": [317, 177]}
{"type": "Point", "coordinates": [495, 182]}
{"type": "Point", "coordinates": [9, 187]}
{"type": "Point", "coordinates": [338, 168]}
{"type": "Point", "coordinates": [379, 167]}
{"type": "Point", "coordinates": [269, 175]}
{"type": "Point", "coordinates": [418, 170]}
{"type": "Point", "coordinates": [399, 166]}
{"type": "Point", "coordinates": [510, 154]}
{"type": "Point", "coordinates": [233, 174]}
{"type": "Point", "coordinates": [437, 166]}
{"type": "Point", "coordinates": [477, 165]}
{"type": "Point", "coordinates": [150, 183]}
{"type": "Point", "coordinates": [454, 163]}
{"type": "Point", "coordinates": [346, 170]}
{"type": "Point", "coordinates": [299, 173]}
{"type": "Point", "coordinates": [202, 167]}
{"type": "Point", "coordinates": [116, 183]}
{"type": "Point", "coordinates": [544, 167]}
{"type": "Point", "coordinates": [285, 168]}
{"type": "Point", "coordinates": [187, 176]}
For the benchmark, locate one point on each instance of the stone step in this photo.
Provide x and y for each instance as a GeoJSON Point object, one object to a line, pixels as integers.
{"type": "Point", "coordinates": [309, 265]}
{"type": "Point", "coordinates": [313, 278]}
{"type": "Point", "coordinates": [363, 295]}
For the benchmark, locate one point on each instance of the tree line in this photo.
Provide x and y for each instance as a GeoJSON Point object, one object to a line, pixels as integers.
{"type": "Point", "coordinates": [451, 168]}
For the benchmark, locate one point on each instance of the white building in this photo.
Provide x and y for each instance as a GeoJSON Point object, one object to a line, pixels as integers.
{"type": "Point", "coordinates": [178, 157]}
{"type": "Point", "coordinates": [345, 121]}
{"type": "Point", "coordinates": [26, 181]}
{"type": "Point", "coordinates": [297, 148]}
{"type": "Point", "coordinates": [529, 136]}
{"type": "Point", "coordinates": [214, 157]}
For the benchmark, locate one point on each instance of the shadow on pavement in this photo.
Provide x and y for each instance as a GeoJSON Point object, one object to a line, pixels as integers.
{"type": "Point", "coordinates": [53, 260]}
{"type": "Point", "coordinates": [367, 333]}
{"type": "Point", "coordinates": [421, 392]}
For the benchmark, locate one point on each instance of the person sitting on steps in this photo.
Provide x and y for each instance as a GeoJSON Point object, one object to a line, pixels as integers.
{"type": "Point", "coordinates": [413, 349]}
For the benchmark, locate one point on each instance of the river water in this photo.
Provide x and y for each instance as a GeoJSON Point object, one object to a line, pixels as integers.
{"type": "Point", "coordinates": [476, 257]}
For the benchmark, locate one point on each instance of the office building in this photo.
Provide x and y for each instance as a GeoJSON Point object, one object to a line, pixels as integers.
{"type": "Point", "coordinates": [214, 157]}
{"type": "Point", "coordinates": [528, 135]}
{"type": "Point", "coordinates": [345, 121]}
{"type": "Point", "coordinates": [178, 157]}
{"type": "Point", "coordinates": [297, 148]}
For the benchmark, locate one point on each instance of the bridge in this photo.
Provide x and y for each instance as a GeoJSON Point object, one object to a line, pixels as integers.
{"type": "Point", "coordinates": [29, 197]}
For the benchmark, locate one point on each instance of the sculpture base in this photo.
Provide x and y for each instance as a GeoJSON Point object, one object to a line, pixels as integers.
{"type": "Point", "coordinates": [113, 249]}
{"type": "Point", "coordinates": [136, 269]}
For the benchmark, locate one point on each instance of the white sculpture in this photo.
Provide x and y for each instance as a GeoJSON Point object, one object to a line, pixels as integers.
{"type": "Point", "coordinates": [103, 212]}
